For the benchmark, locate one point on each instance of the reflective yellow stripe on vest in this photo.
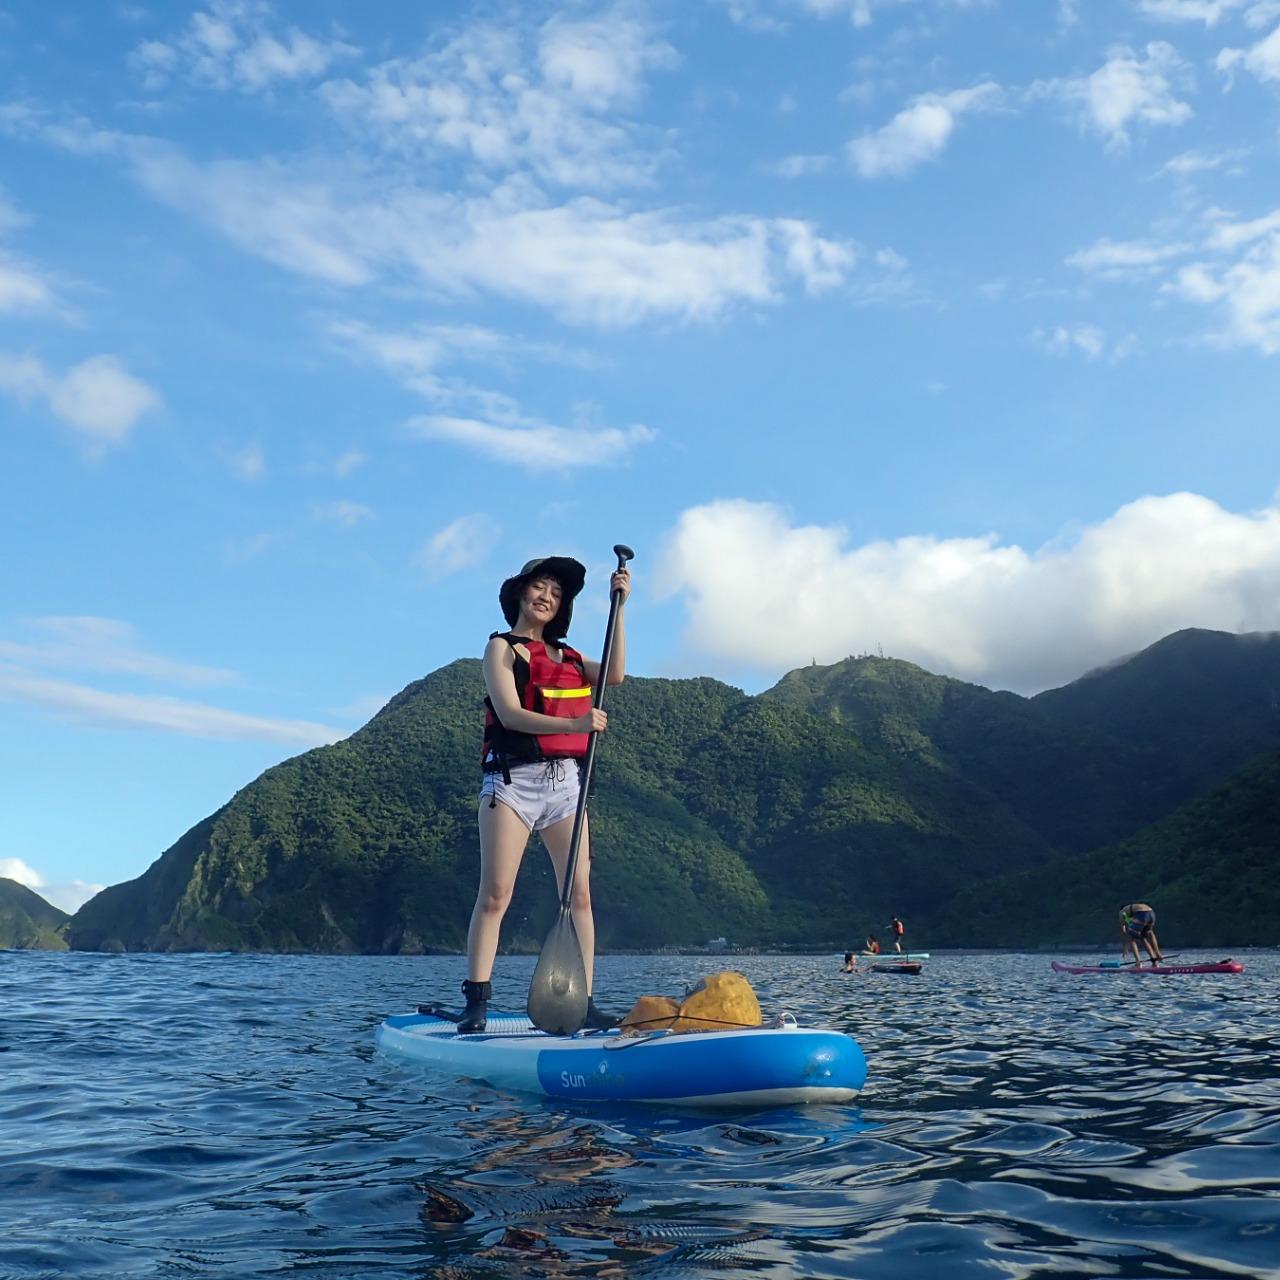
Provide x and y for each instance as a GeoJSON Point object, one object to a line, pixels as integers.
{"type": "Point", "coordinates": [566, 693]}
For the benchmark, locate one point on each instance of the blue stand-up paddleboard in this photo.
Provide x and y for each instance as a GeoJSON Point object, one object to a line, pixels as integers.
{"type": "Point", "coordinates": [757, 1066]}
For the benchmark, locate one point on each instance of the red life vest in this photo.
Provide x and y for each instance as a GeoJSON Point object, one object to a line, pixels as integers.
{"type": "Point", "coordinates": [549, 688]}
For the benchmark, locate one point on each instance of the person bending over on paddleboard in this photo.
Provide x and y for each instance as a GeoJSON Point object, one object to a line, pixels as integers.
{"type": "Point", "coordinates": [896, 930]}
{"type": "Point", "coordinates": [1138, 924]}
{"type": "Point", "coordinates": [538, 718]}
{"type": "Point", "coordinates": [873, 945]}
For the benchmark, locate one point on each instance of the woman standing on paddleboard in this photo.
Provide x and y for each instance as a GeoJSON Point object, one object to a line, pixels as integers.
{"type": "Point", "coordinates": [538, 721]}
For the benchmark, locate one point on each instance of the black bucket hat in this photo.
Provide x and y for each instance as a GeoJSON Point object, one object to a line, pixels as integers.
{"type": "Point", "coordinates": [569, 573]}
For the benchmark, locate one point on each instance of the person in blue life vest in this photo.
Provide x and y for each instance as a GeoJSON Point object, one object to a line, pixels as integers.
{"type": "Point", "coordinates": [538, 721]}
{"type": "Point", "coordinates": [1138, 925]}
{"type": "Point", "coordinates": [896, 930]}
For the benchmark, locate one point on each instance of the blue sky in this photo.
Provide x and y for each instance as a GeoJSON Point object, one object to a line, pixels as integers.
{"type": "Point", "coordinates": [938, 327]}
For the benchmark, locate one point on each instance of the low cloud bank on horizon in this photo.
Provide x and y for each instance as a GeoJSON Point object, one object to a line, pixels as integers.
{"type": "Point", "coordinates": [997, 615]}
{"type": "Point", "coordinates": [68, 897]}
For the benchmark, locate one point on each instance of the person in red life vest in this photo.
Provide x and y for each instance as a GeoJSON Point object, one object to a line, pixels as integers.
{"type": "Point", "coordinates": [538, 718]}
{"type": "Point", "coordinates": [896, 930]}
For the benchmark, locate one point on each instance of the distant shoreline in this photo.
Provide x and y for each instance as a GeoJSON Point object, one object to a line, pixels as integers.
{"type": "Point", "coordinates": [731, 954]}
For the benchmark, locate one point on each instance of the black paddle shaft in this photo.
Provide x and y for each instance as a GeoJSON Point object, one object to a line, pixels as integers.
{"type": "Point", "coordinates": [624, 553]}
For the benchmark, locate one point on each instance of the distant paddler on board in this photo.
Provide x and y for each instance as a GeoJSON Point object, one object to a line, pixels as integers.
{"type": "Point", "coordinates": [1138, 925]}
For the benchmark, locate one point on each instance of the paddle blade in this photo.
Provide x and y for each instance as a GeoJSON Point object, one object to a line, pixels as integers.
{"type": "Point", "coordinates": [558, 992]}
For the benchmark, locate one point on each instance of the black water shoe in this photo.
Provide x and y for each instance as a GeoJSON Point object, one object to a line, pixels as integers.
{"type": "Point", "coordinates": [476, 1014]}
{"type": "Point", "coordinates": [597, 1019]}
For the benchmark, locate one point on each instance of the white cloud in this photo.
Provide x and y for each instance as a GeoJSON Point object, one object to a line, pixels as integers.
{"type": "Point", "coordinates": [249, 463]}
{"type": "Point", "coordinates": [516, 98]}
{"type": "Point", "coordinates": [1246, 291]}
{"type": "Point", "coordinates": [98, 398]}
{"type": "Point", "coordinates": [536, 446]}
{"type": "Point", "coordinates": [821, 264]}
{"type": "Point", "coordinates": [349, 462]}
{"type": "Point", "coordinates": [11, 217]}
{"type": "Point", "coordinates": [1125, 259]}
{"type": "Point", "coordinates": [249, 546]}
{"type": "Point", "coordinates": [1187, 163]}
{"type": "Point", "coordinates": [587, 260]}
{"type": "Point", "coordinates": [862, 12]}
{"type": "Point", "coordinates": [1127, 90]}
{"type": "Point", "coordinates": [343, 513]}
{"type": "Point", "coordinates": [1261, 60]}
{"type": "Point", "coordinates": [495, 426]}
{"type": "Point", "coordinates": [759, 15]}
{"type": "Point", "coordinates": [1085, 339]}
{"type": "Point", "coordinates": [85, 643]}
{"type": "Point", "coordinates": [920, 132]}
{"type": "Point", "coordinates": [23, 287]}
{"type": "Point", "coordinates": [752, 14]}
{"type": "Point", "coordinates": [1229, 235]}
{"type": "Point", "coordinates": [1210, 12]}
{"type": "Point", "coordinates": [69, 896]}
{"type": "Point", "coordinates": [971, 607]}
{"type": "Point", "coordinates": [1235, 270]}
{"type": "Point", "coordinates": [420, 354]}
{"type": "Point", "coordinates": [801, 166]}
{"type": "Point", "coordinates": [228, 45]}
{"type": "Point", "coordinates": [16, 869]}
{"type": "Point", "coordinates": [85, 705]}
{"type": "Point", "coordinates": [419, 358]}
{"type": "Point", "coordinates": [601, 60]}
{"type": "Point", "coordinates": [891, 260]}
{"type": "Point", "coordinates": [858, 11]}
{"type": "Point", "coordinates": [462, 544]}
{"type": "Point", "coordinates": [101, 399]}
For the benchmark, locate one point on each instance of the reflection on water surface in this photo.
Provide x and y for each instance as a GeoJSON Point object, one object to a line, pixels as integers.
{"type": "Point", "coordinates": [170, 1115]}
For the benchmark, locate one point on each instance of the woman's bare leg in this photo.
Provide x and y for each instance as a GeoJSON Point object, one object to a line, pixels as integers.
{"type": "Point", "coordinates": [502, 841]}
{"type": "Point", "coordinates": [557, 839]}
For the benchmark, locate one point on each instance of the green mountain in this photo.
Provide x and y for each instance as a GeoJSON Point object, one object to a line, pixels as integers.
{"type": "Point", "coordinates": [714, 814]}
{"type": "Point", "coordinates": [1203, 702]}
{"type": "Point", "coordinates": [1212, 870]}
{"type": "Point", "coordinates": [1071, 783]}
{"type": "Point", "coordinates": [27, 921]}
{"type": "Point", "coordinates": [804, 816]}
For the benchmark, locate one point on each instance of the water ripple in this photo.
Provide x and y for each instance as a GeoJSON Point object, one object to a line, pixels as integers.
{"type": "Point", "coordinates": [227, 1116]}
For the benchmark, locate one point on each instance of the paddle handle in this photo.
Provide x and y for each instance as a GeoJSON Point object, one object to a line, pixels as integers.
{"type": "Point", "coordinates": [624, 553]}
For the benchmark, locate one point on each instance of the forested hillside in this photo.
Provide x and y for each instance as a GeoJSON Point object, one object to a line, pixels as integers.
{"type": "Point", "coordinates": [803, 816]}
{"type": "Point", "coordinates": [27, 920]}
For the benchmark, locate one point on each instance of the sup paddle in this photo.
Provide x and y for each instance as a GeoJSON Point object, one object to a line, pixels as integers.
{"type": "Point", "coordinates": [558, 993]}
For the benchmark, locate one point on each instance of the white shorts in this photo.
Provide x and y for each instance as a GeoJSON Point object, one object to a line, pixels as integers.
{"type": "Point", "coordinates": [540, 794]}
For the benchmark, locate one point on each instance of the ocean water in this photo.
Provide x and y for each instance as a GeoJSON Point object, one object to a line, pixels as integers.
{"type": "Point", "coordinates": [227, 1116]}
